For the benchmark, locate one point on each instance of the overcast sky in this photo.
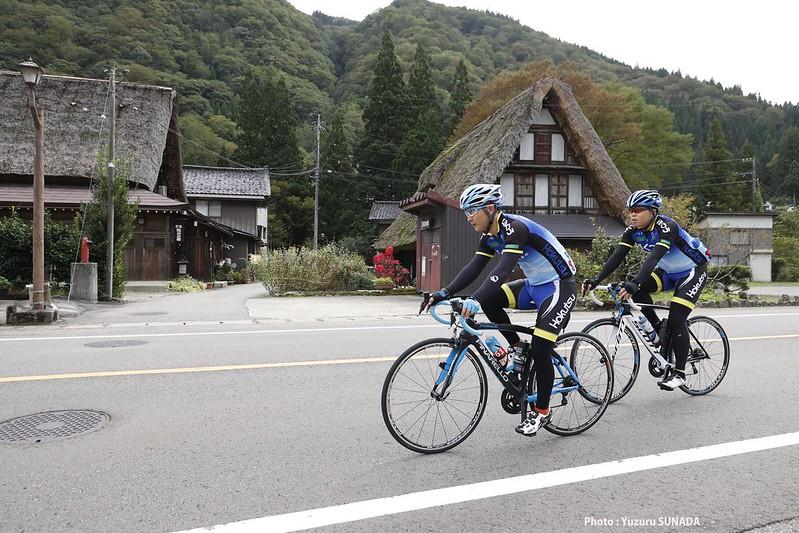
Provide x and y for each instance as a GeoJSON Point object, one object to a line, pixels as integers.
{"type": "Point", "coordinates": [753, 44]}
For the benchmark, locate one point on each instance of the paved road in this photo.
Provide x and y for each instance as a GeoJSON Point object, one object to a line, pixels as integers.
{"type": "Point", "coordinates": [198, 439]}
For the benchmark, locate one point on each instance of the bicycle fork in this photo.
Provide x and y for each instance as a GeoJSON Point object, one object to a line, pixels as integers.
{"type": "Point", "coordinates": [448, 369]}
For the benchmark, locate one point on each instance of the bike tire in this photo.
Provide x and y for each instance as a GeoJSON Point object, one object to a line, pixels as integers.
{"type": "Point", "coordinates": [626, 362]}
{"type": "Point", "coordinates": [708, 358]}
{"type": "Point", "coordinates": [573, 412]}
{"type": "Point", "coordinates": [407, 404]}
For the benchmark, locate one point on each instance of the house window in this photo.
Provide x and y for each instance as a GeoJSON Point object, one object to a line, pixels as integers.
{"type": "Point", "coordinates": [541, 191]}
{"type": "Point", "coordinates": [543, 147]}
{"type": "Point", "coordinates": [524, 192]}
{"type": "Point", "coordinates": [739, 237]}
{"type": "Point", "coordinates": [558, 193]}
{"type": "Point", "coordinates": [589, 201]}
{"type": "Point", "coordinates": [154, 243]}
{"type": "Point", "coordinates": [558, 147]}
{"type": "Point", "coordinates": [719, 260]}
{"type": "Point", "coordinates": [575, 192]}
{"type": "Point", "coordinates": [527, 147]}
{"type": "Point", "coordinates": [209, 208]}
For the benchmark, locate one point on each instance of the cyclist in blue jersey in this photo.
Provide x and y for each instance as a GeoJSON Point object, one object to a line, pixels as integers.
{"type": "Point", "coordinates": [676, 261]}
{"type": "Point", "coordinates": [549, 284]}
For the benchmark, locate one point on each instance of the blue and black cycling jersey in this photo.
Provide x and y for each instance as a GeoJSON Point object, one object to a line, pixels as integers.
{"type": "Point", "coordinates": [683, 251]}
{"type": "Point", "coordinates": [521, 241]}
{"type": "Point", "coordinates": [671, 249]}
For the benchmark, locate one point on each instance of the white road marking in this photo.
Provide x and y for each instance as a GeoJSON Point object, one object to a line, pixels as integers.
{"type": "Point", "coordinates": [350, 512]}
{"type": "Point", "coordinates": [253, 366]}
{"type": "Point", "coordinates": [299, 330]}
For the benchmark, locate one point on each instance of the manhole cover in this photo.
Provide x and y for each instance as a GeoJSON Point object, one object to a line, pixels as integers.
{"type": "Point", "coordinates": [113, 344]}
{"type": "Point", "coordinates": [149, 313]}
{"type": "Point", "coordinates": [52, 425]}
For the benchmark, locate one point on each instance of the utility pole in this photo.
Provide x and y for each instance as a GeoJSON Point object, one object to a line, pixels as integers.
{"type": "Point", "coordinates": [754, 186]}
{"type": "Point", "coordinates": [316, 188]}
{"type": "Point", "coordinates": [109, 255]}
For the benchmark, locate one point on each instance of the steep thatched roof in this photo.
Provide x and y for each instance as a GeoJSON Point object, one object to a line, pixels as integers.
{"type": "Point", "coordinates": [482, 155]}
{"type": "Point", "coordinates": [75, 129]}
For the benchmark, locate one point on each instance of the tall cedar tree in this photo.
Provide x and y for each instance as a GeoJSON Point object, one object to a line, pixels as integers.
{"type": "Point", "coordinates": [342, 199]}
{"type": "Point", "coordinates": [716, 183]}
{"type": "Point", "coordinates": [268, 138]}
{"type": "Point", "coordinates": [425, 138]}
{"type": "Point", "coordinates": [385, 123]}
{"type": "Point", "coordinates": [461, 95]}
{"type": "Point", "coordinates": [789, 155]}
{"type": "Point", "coordinates": [95, 215]}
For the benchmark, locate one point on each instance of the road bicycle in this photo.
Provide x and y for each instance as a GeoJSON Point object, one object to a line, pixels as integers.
{"type": "Point", "coordinates": [435, 393]}
{"type": "Point", "coordinates": [708, 358]}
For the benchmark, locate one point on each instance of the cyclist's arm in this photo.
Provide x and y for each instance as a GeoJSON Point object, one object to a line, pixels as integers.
{"type": "Point", "coordinates": [668, 231]}
{"type": "Point", "coordinates": [617, 256]}
{"type": "Point", "coordinates": [511, 254]}
{"type": "Point", "coordinates": [472, 269]}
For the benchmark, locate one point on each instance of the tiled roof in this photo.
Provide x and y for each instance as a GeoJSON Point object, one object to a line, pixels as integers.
{"type": "Point", "coordinates": [226, 181]}
{"type": "Point", "coordinates": [74, 195]}
{"type": "Point", "coordinates": [384, 211]}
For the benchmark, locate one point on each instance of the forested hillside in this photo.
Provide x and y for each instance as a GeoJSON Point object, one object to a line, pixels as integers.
{"type": "Point", "coordinates": [207, 50]}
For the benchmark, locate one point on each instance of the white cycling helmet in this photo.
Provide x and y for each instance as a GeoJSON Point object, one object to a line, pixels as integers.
{"type": "Point", "coordinates": [481, 195]}
{"type": "Point", "coordinates": [645, 198]}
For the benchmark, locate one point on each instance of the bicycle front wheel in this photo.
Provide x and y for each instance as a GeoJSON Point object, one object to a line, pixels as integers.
{"type": "Point", "coordinates": [415, 418]}
{"type": "Point", "coordinates": [625, 354]}
{"type": "Point", "coordinates": [576, 410]}
{"type": "Point", "coordinates": [708, 358]}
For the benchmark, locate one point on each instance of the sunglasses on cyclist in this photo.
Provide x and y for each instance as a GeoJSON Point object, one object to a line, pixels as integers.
{"type": "Point", "coordinates": [471, 211]}
{"type": "Point", "coordinates": [638, 210]}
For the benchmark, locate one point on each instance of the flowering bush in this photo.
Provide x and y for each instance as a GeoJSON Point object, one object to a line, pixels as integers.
{"type": "Point", "coordinates": [387, 266]}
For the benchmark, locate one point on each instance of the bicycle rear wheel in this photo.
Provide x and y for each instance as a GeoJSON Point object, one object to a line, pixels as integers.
{"type": "Point", "coordinates": [575, 411]}
{"type": "Point", "coordinates": [414, 417]}
{"type": "Point", "coordinates": [624, 354]}
{"type": "Point", "coordinates": [708, 358]}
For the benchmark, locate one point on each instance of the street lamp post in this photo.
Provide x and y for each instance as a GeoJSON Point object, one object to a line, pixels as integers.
{"type": "Point", "coordinates": [31, 75]}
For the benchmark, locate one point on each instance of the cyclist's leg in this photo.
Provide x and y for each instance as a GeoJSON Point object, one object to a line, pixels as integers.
{"type": "Point", "coordinates": [555, 301]}
{"type": "Point", "coordinates": [686, 294]}
{"type": "Point", "coordinates": [652, 285]}
{"type": "Point", "coordinates": [495, 304]}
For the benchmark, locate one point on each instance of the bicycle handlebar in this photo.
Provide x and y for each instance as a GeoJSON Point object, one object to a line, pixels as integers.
{"type": "Point", "coordinates": [462, 320]}
{"type": "Point", "coordinates": [613, 293]}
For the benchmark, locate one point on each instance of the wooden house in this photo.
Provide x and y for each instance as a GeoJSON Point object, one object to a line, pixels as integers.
{"type": "Point", "coordinates": [76, 126]}
{"type": "Point", "coordinates": [550, 163]}
{"type": "Point", "coordinates": [234, 198]}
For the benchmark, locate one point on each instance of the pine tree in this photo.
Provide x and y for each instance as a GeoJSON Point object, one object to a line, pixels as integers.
{"type": "Point", "coordinates": [385, 117]}
{"type": "Point", "coordinates": [342, 199]}
{"type": "Point", "coordinates": [789, 154]}
{"type": "Point", "coordinates": [421, 89]}
{"type": "Point", "coordinates": [461, 94]}
{"type": "Point", "coordinates": [716, 183]}
{"type": "Point", "coordinates": [268, 138]}
{"type": "Point", "coordinates": [267, 124]}
{"type": "Point", "coordinates": [422, 144]}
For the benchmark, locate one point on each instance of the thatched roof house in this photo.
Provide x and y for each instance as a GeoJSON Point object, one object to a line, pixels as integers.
{"type": "Point", "coordinates": [76, 129]}
{"type": "Point", "coordinates": [483, 155]}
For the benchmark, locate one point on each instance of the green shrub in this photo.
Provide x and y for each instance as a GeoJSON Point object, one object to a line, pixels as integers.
{"type": "Point", "coordinates": [327, 269]}
{"type": "Point", "coordinates": [187, 284]}
{"type": "Point", "coordinates": [383, 281]}
{"type": "Point", "coordinates": [16, 246]}
{"type": "Point", "coordinates": [224, 271]}
{"type": "Point", "coordinates": [359, 281]}
{"type": "Point", "coordinates": [4, 284]}
{"type": "Point", "coordinates": [589, 263]}
{"type": "Point", "coordinates": [729, 278]}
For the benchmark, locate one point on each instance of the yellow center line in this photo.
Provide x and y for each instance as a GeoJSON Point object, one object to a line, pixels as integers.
{"type": "Point", "coordinates": [256, 366]}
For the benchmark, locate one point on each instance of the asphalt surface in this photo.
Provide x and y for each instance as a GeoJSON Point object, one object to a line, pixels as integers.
{"type": "Point", "coordinates": [198, 439]}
